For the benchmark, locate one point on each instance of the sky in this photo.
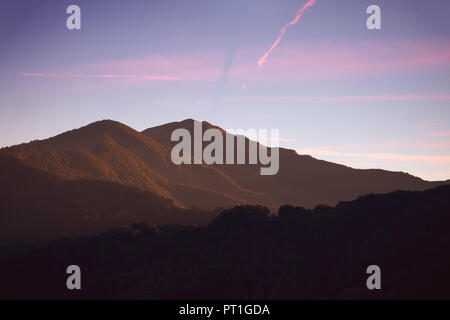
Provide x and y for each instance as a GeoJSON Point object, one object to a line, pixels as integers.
{"type": "Point", "coordinates": [335, 89]}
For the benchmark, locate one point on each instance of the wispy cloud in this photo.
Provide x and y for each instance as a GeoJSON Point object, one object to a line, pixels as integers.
{"type": "Point", "coordinates": [388, 144]}
{"type": "Point", "coordinates": [324, 99]}
{"type": "Point", "coordinates": [198, 66]}
{"type": "Point", "coordinates": [100, 76]}
{"type": "Point", "coordinates": [438, 134]}
{"type": "Point", "coordinates": [300, 62]}
{"type": "Point", "coordinates": [329, 60]}
{"type": "Point", "coordinates": [436, 175]}
{"type": "Point", "coordinates": [443, 159]}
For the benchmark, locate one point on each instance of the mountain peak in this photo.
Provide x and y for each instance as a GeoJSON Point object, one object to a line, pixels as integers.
{"type": "Point", "coordinates": [106, 124]}
{"type": "Point", "coordinates": [163, 132]}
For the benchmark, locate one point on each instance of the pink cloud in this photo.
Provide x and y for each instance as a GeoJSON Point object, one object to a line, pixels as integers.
{"type": "Point", "coordinates": [336, 60]}
{"type": "Point", "coordinates": [323, 99]}
{"type": "Point", "coordinates": [198, 66]}
{"type": "Point", "coordinates": [388, 144]}
{"type": "Point", "coordinates": [438, 134]}
{"type": "Point", "coordinates": [374, 98]}
{"type": "Point", "coordinates": [136, 71]}
{"type": "Point", "coordinates": [442, 159]}
{"type": "Point", "coordinates": [437, 175]}
{"type": "Point", "coordinates": [99, 76]}
{"type": "Point", "coordinates": [300, 62]}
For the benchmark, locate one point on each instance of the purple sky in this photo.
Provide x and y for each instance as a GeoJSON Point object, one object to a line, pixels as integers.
{"type": "Point", "coordinates": [336, 90]}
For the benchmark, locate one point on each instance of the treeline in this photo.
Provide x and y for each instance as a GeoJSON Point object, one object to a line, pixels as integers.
{"type": "Point", "coordinates": [247, 253]}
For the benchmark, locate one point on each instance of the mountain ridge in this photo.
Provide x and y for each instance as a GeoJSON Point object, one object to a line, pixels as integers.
{"type": "Point", "coordinates": [108, 150]}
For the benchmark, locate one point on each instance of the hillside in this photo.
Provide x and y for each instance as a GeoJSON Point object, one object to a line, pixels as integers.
{"type": "Point", "coordinates": [110, 151]}
{"type": "Point", "coordinates": [37, 206]}
{"type": "Point", "coordinates": [303, 180]}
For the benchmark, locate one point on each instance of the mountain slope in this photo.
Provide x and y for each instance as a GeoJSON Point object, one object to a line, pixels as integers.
{"type": "Point", "coordinates": [110, 151]}
{"type": "Point", "coordinates": [303, 180]}
{"type": "Point", "coordinates": [38, 206]}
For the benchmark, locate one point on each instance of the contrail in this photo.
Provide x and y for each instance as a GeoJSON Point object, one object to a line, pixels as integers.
{"type": "Point", "coordinates": [299, 14]}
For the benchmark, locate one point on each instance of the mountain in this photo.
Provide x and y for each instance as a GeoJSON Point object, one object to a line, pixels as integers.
{"type": "Point", "coordinates": [246, 253]}
{"type": "Point", "coordinates": [110, 151]}
{"type": "Point", "coordinates": [303, 180]}
{"type": "Point", "coordinates": [106, 175]}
